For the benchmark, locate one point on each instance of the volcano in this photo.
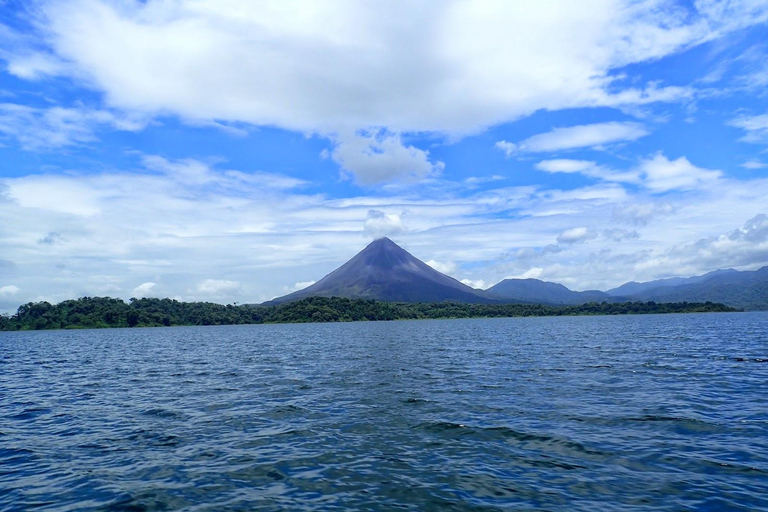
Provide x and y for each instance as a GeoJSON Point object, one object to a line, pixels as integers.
{"type": "Point", "coordinates": [385, 271]}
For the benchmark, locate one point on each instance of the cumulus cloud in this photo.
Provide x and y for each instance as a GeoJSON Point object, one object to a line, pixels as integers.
{"type": "Point", "coordinates": [446, 267]}
{"type": "Point", "coordinates": [299, 286]}
{"type": "Point", "coordinates": [144, 290]}
{"type": "Point", "coordinates": [379, 224]}
{"type": "Point", "coordinates": [662, 175]}
{"type": "Point", "coordinates": [745, 246]}
{"type": "Point", "coordinates": [576, 235]}
{"type": "Point", "coordinates": [178, 220]}
{"type": "Point", "coordinates": [532, 273]}
{"type": "Point", "coordinates": [9, 290]}
{"type": "Point", "coordinates": [378, 156]}
{"type": "Point", "coordinates": [475, 283]}
{"type": "Point", "coordinates": [428, 66]}
{"type": "Point", "coordinates": [575, 137]}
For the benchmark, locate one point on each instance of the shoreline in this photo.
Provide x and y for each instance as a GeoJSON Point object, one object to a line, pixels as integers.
{"type": "Point", "coordinates": [105, 312]}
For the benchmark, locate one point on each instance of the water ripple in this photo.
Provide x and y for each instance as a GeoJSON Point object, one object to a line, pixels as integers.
{"type": "Point", "coordinates": [605, 413]}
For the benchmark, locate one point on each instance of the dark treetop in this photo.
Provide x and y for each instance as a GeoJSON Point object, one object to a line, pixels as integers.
{"type": "Point", "coordinates": [97, 312]}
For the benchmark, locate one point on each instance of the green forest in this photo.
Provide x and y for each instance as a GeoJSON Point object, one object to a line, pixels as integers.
{"type": "Point", "coordinates": [103, 312]}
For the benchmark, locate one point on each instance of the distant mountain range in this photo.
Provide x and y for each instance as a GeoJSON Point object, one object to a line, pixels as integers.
{"type": "Point", "coordinates": [543, 292]}
{"type": "Point", "coordinates": [385, 271]}
{"type": "Point", "coordinates": [746, 289]}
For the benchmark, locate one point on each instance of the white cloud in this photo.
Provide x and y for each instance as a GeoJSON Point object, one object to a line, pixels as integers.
{"type": "Point", "coordinates": [658, 173]}
{"type": "Point", "coordinates": [377, 156]}
{"type": "Point", "coordinates": [745, 246]}
{"type": "Point", "coordinates": [754, 164]}
{"type": "Point", "coordinates": [379, 224]}
{"type": "Point", "coordinates": [473, 181]}
{"type": "Point", "coordinates": [574, 137]}
{"type": "Point", "coordinates": [576, 235]}
{"type": "Point", "coordinates": [9, 290]}
{"type": "Point", "coordinates": [566, 166]}
{"type": "Point", "coordinates": [446, 267]}
{"type": "Point", "coordinates": [144, 290]}
{"type": "Point", "coordinates": [662, 175]}
{"type": "Point", "coordinates": [532, 273]}
{"type": "Point", "coordinates": [474, 283]}
{"type": "Point", "coordinates": [618, 235]}
{"type": "Point", "coordinates": [325, 67]}
{"type": "Point", "coordinates": [508, 148]}
{"type": "Point", "coordinates": [55, 127]}
{"type": "Point", "coordinates": [299, 286]}
{"type": "Point", "coordinates": [589, 169]}
{"type": "Point", "coordinates": [755, 126]}
{"type": "Point", "coordinates": [640, 213]}
{"type": "Point", "coordinates": [174, 221]}
{"type": "Point", "coordinates": [35, 66]}
{"type": "Point", "coordinates": [217, 286]}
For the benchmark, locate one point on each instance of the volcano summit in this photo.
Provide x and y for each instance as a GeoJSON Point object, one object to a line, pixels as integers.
{"type": "Point", "coordinates": [387, 272]}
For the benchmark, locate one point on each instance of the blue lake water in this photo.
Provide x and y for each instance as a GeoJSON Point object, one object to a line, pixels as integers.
{"type": "Point", "coordinates": [630, 413]}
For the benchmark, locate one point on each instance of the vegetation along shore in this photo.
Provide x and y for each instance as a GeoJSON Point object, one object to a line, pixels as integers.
{"type": "Point", "coordinates": [105, 312]}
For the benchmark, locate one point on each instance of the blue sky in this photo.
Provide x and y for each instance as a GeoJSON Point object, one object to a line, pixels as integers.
{"type": "Point", "coordinates": [234, 151]}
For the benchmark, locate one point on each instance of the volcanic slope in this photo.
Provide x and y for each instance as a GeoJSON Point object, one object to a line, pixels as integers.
{"type": "Point", "coordinates": [387, 272]}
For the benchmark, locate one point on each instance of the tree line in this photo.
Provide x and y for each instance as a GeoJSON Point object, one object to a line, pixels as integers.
{"type": "Point", "coordinates": [103, 312]}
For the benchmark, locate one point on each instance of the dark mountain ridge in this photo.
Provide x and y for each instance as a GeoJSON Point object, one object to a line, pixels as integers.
{"type": "Point", "coordinates": [386, 272]}
{"type": "Point", "coordinates": [544, 292]}
{"type": "Point", "coordinates": [634, 288]}
{"type": "Point", "coordinates": [742, 289]}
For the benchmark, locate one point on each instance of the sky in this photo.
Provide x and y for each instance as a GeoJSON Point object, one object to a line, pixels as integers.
{"type": "Point", "coordinates": [233, 151]}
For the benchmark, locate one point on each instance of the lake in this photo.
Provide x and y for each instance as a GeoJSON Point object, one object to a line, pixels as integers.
{"type": "Point", "coordinates": [630, 413]}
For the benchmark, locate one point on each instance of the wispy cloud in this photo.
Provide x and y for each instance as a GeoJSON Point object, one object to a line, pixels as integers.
{"type": "Point", "coordinates": [754, 164]}
{"type": "Point", "coordinates": [576, 137]}
{"type": "Point", "coordinates": [590, 169]}
{"type": "Point", "coordinates": [657, 173]}
{"type": "Point", "coordinates": [38, 129]}
{"type": "Point", "coordinates": [755, 126]}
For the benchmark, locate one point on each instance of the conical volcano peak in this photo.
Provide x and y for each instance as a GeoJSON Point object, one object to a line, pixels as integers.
{"type": "Point", "coordinates": [384, 253]}
{"type": "Point", "coordinates": [386, 271]}
{"type": "Point", "coordinates": [382, 242]}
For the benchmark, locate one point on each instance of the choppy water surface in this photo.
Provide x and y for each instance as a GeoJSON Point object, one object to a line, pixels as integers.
{"type": "Point", "coordinates": [591, 413]}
